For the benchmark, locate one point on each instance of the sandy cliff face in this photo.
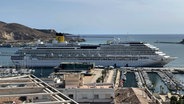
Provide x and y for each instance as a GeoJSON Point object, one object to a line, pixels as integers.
{"type": "Point", "coordinates": [7, 36]}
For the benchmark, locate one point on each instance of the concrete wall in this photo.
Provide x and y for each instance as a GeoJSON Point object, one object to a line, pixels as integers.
{"type": "Point", "coordinates": [72, 80]}
{"type": "Point", "coordinates": [90, 95]}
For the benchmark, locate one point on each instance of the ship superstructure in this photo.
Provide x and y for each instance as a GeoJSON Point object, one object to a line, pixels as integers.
{"type": "Point", "coordinates": [114, 53]}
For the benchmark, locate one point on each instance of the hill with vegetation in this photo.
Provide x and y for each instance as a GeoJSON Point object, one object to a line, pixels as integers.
{"type": "Point", "coordinates": [17, 32]}
{"type": "Point", "coordinates": [14, 32]}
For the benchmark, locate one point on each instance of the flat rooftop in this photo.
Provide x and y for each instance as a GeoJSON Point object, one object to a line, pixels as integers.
{"type": "Point", "coordinates": [90, 81]}
{"type": "Point", "coordinates": [31, 90]}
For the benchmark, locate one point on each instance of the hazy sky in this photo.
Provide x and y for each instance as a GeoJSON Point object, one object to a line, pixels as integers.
{"type": "Point", "coordinates": [97, 16]}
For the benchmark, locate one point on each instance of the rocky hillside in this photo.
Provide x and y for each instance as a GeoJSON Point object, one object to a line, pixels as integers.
{"type": "Point", "coordinates": [17, 32]}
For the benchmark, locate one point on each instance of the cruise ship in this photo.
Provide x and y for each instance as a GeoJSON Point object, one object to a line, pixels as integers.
{"type": "Point", "coordinates": [112, 53]}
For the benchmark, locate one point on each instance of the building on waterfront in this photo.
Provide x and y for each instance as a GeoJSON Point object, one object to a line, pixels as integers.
{"type": "Point", "coordinates": [98, 93]}
{"type": "Point", "coordinates": [90, 88]}
{"type": "Point", "coordinates": [30, 90]}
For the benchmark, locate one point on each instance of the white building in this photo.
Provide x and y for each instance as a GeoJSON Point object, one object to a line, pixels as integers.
{"type": "Point", "coordinates": [84, 89]}
{"type": "Point", "coordinates": [91, 94]}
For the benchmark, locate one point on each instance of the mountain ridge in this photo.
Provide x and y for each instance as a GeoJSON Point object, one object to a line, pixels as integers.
{"type": "Point", "coordinates": [15, 33]}
{"type": "Point", "coordinates": [18, 32]}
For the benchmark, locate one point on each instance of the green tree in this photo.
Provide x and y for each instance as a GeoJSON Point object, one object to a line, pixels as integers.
{"type": "Point", "coordinates": [181, 100]}
{"type": "Point", "coordinates": [173, 100]}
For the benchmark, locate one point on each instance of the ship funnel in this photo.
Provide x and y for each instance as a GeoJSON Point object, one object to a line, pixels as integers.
{"type": "Point", "coordinates": [60, 37]}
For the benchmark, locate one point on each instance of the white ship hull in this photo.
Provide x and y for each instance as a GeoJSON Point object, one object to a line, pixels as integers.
{"type": "Point", "coordinates": [132, 63]}
{"type": "Point", "coordinates": [132, 54]}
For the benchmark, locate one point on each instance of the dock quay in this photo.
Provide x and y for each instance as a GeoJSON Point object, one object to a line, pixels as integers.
{"type": "Point", "coordinates": [169, 79]}
{"type": "Point", "coordinates": [169, 83]}
{"type": "Point", "coordinates": [142, 79]}
{"type": "Point", "coordinates": [138, 80]}
{"type": "Point", "coordinates": [175, 70]}
{"type": "Point", "coordinates": [166, 74]}
{"type": "Point", "coordinates": [146, 79]}
{"type": "Point", "coordinates": [178, 84]}
{"type": "Point", "coordinates": [117, 80]}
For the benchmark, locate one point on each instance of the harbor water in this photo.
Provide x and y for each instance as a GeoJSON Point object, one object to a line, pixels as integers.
{"type": "Point", "coordinates": [130, 80]}
{"type": "Point", "coordinates": [175, 50]}
{"type": "Point", "coordinates": [158, 84]}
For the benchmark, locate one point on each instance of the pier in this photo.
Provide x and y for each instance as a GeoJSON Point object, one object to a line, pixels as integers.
{"type": "Point", "coordinates": [179, 84]}
{"type": "Point", "coordinates": [138, 80]}
{"type": "Point", "coordinates": [146, 79]}
{"type": "Point", "coordinates": [169, 83]}
{"type": "Point", "coordinates": [143, 79]}
{"type": "Point", "coordinates": [166, 75]}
